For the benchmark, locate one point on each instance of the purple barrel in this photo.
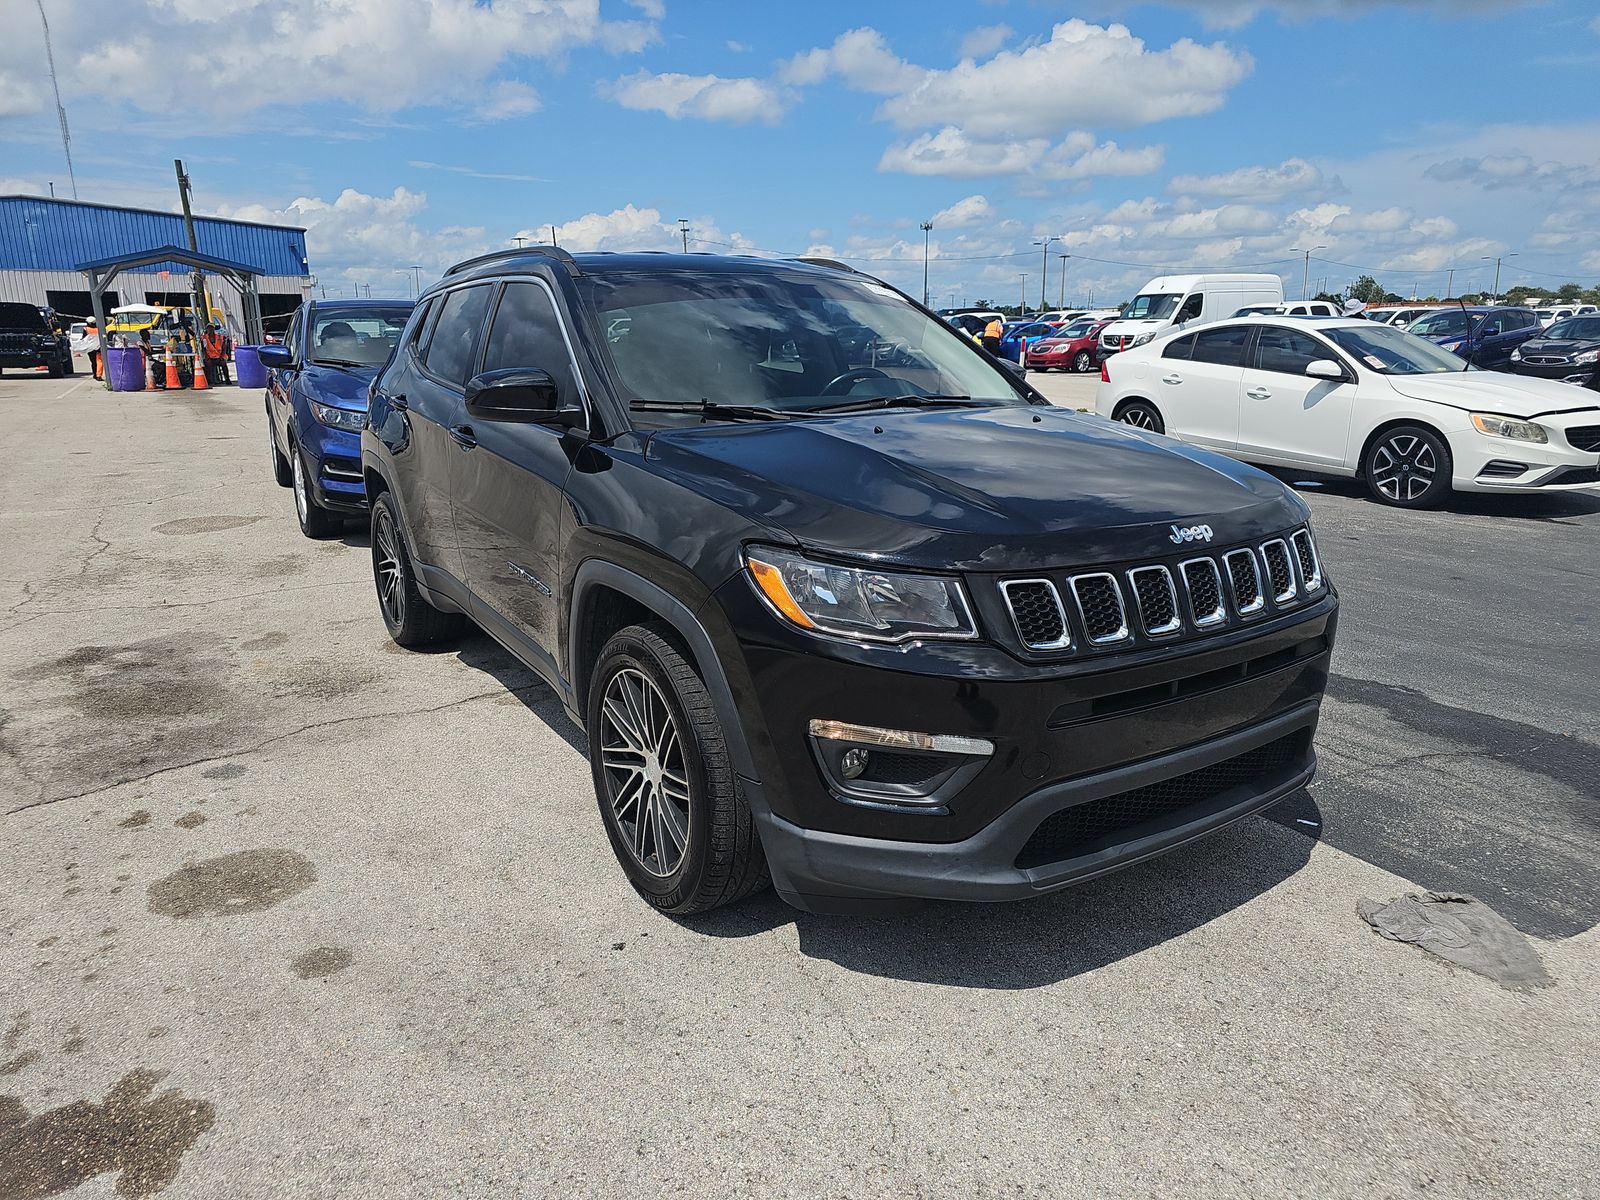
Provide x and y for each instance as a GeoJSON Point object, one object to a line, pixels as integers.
{"type": "Point", "coordinates": [247, 367]}
{"type": "Point", "coordinates": [125, 368]}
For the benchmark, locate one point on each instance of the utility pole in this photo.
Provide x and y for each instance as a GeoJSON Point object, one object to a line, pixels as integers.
{"type": "Point", "coordinates": [1044, 275]}
{"type": "Point", "coordinates": [1450, 284]}
{"type": "Point", "coordinates": [927, 228]}
{"type": "Point", "coordinates": [1305, 277]}
{"type": "Point", "coordinates": [416, 280]}
{"type": "Point", "coordinates": [61, 113]}
{"type": "Point", "coordinates": [683, 228]}
{"type": "Point", "coordinates": [201, 313]}
{"type": "Point", "coordinates": [1497, 262]}
{"type": "Point", "coordinates": [1023, 306]}
{"type": "Point", "coordinates": [519, 241]}
{"type": "Point", "coordinates": [1064, 264]}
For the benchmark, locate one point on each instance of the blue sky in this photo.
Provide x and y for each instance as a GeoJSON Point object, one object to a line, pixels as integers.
{"type": "Point", "coordinates": [1406, 137]}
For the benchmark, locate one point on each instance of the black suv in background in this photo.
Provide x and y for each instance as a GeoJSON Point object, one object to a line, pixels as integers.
{"type": "Point", "coordinates": [882, 628]}
{"type": "Point", "coordinates": [29, 339]}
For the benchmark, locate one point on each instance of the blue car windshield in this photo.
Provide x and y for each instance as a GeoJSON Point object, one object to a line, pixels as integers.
{"type": "Point", "coordinates": [1451, 322]}
{"type": "Point", "coordinates": [357, 337]}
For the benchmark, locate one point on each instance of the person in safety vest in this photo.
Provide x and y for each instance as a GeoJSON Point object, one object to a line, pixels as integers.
{"type": "Point", "coordinates": [992, 333]}
{"type": "Point", "coordinates": [216, 363]}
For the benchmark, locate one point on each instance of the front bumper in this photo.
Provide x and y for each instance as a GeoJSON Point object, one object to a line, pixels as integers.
{"type": "Point", "coordinates": [1490, 464]}
{"type": "Point", "coordinates": [1064, 735]}
{"type": "Point", "coordinates": [25, 358]}
{"type": "Point", "coordinates": [829, 872]}
{"type": "Point", "coordinates": [334, 459]}
{"type": "Point", "coordinates": [1579, 374]}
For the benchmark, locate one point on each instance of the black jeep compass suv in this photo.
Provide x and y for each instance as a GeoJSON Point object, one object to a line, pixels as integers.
{"type": "Point", "coordinates": [837, 598]}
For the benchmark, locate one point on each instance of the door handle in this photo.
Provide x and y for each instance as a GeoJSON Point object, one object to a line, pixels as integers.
{"type": "Point", "coordinates": [1172, 379]}
{"type": "Point", "coordinates": [1259, 393]}
{"type": "Point", "coordinates": [462, 436]}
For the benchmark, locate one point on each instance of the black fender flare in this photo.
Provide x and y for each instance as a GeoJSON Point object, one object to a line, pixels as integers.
{"type": "Point", "coordinates": [669, 608]}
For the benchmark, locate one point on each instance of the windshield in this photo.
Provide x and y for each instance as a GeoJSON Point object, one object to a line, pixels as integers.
{"type": "Point", "coordinates": [1077, 329]}
{"type": "Point", "coordinates": [1157, 306]}
{"type": "Point", "coordinates": [1452, 322]}
{"type": "Point", "coordinates": [785, 342]}
{"type": "Point", "coordinates": [1391, 351]}
{"type": "Point", "coordinates": [21, 316]}
{"type": "Point", "coordinates": [361, 337]}
{"type": "Point", "coordinates": [1576, 329]}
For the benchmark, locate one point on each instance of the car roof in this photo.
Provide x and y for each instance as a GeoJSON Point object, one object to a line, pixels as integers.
{"type": "Point", "coordinates": [384, 302]}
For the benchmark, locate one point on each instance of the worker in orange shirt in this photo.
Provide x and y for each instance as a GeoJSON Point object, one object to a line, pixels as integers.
{"type": "Point", "coordinates": [992, 333]}
{"type": "Point", "coordinates": [216, 363]}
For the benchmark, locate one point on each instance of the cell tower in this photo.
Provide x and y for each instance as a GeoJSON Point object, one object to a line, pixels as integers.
{"type": "Point", "coordinates": [66, 137]}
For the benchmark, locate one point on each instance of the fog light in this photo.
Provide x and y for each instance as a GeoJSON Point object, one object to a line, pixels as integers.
{"type": "Point", "coordinates": [853, 762]}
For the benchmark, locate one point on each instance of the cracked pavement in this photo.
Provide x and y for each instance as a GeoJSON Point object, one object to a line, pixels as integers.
{"type": "Point", "coordinates": [296, 913]}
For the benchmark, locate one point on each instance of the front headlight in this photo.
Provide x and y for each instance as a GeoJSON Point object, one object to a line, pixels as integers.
{"type": "Point", "coordinates": [339, 418]}
{"type": "Point", "coordinates": [1143, 338]}
{"type": "Point", "coordinates": [859, 602]}
{"type": "Point", "coordinates": [1588, 356]}
{"type": "Point", "coordinates": [1516, 355]}
{"type": "Point", "coordinates": [1505, 427]}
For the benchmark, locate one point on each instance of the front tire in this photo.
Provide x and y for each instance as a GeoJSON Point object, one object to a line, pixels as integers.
{"type": "Point", "coordinates": [281, 471]}
{"type": "Point", "coordinates": [315, 521]}
{"type": "Point", "coordinates": [1408, 466]}
{"type": "Point", "coordinates": [1082, 362]}
{"type": "Point", "coordinates": [408, 616]}
{"type": "Point", "coordinates": [670, 801]}
{"type": "Point", "coordinates": [1142, 415]}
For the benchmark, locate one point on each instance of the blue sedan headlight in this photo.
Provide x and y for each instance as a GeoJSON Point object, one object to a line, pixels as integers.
{"type": "Point", "coordinates": [339, 418]}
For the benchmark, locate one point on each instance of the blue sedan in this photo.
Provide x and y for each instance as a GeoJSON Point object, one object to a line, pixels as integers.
{"type": "Point", "coordinates": [317, 403]}
{"type": "Point", "coordinates": [1019, 335]}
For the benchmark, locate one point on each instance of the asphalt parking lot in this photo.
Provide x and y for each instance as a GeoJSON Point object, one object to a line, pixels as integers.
{"type": "Point", "coordinates": [288, 911]}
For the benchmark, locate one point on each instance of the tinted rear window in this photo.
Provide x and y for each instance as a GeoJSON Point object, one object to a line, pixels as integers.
{"type": "Point", "coordinates": [1225, 346]}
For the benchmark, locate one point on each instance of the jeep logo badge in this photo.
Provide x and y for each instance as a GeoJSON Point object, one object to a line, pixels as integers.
{"type": "Point", "coordinates": [1194, 533]}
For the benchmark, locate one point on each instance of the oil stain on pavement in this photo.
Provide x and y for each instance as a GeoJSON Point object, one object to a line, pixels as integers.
{"type": "Point", "coordinates": [233, 885]}
{"type": "Point", "coordinates": [186, 525]}
{"type": "Point", "coordinates": [321, 962]}
{"type": "Point", "coordinates": [135, 1132]}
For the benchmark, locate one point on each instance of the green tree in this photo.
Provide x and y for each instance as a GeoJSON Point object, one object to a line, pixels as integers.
{"type": "Point", "coordinates": [1569, 293]}
{"type": "Point", "coordinates": [1368, 290]}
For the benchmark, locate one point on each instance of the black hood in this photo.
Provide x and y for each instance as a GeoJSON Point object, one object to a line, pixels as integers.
{"type": "Point", "coordinates": [1565, 346]}
{"type": "Point", "coordinates": [991, 489]}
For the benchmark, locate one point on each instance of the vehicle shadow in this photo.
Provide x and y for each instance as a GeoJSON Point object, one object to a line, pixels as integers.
{"type": "Point", "coordinates": [1034, 943]}
{"type": "Point", "coordinates": [481, 652]}
{"type": "Point", "coordinates": [1532, 506]}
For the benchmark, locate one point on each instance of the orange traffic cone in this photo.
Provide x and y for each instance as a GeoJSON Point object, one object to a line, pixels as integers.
{"type": "Point", "coordinates": [201, 383]}
{"type": "Point", "coordinates": [173, 382]}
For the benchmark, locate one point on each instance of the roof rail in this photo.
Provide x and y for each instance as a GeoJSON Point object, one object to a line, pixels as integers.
{"type": "Point", "coordinates": [834, 263]}
{"type": "Point", "coordinates": [555, 252]}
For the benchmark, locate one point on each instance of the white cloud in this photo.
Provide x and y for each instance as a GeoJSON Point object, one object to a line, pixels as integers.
{"type": "Point", "coordinates": [474, 172]}
{"type": "Point", "coordinates": [974, 210]}
{"type": "Point", "coordinates": [1493, 171]}
{"type": "Point", "coordinates": [707, 97]}
{"type": "Point", "coordinates": [861, 58]}
{"type": "Point", "coordinates": [1082, 74]}
{"type": "Point", "coordinates": [950, 152]}
{"type": "Point", "coordinates": [984, 41]}
{"type": "Point", "coordinates": [20, 95]}
{"type": "Point", "coordinates": [653, 9]}
{"type": "Point", "coordinates": [379, 55]}
{"type": "Point", "coordinates": [1230, 14]}
{"type": "Point", "coordinates": [737, 47]}
{"type": "Point", "coordinates": [1288, 178]}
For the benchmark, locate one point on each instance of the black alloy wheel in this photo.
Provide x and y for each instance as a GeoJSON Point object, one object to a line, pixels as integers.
{"type": "Point", "coordinates": [1142, 415]}
{"type": "Point", "coordinates": [1408, 466]}
{"type": "Point", "coordinates": [670, 801]}
{"type": "Point", "coordinates": [408, 616]}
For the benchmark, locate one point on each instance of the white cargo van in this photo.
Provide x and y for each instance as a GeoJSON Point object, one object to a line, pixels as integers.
{"type": "Point", "coordinates": [1168, 301]}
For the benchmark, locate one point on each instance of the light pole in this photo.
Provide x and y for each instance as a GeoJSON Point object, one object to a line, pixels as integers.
{"type": "Point", "coordinates": [927, 228]}
{"type": "Point", "coordinates": [1045, 272]}
{"type": "Point", "coordinates": [683, 228]}
{"type": "Point", "coordinates": [519, 241]}
{"type": "Point", "coordinates": [1305, 277]}
{"type": "Point", "coordinates": [1064, 258]}
{"type": "Point", "coordinates": [1023, 306]}
{"type": "Point", "coordinates": [1450, 284]}
{"type": "Point", "coordinates": [1497, 261]}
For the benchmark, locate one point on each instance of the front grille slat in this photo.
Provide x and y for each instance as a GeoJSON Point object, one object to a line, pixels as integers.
{"type": "Point", "coordinates": [1305, 553]}
{"type": "Point", "coordinates": [1157, 600]}
{"type": "Point", "coordinates": [1204, 584]}
{"type": "Point", "coordinates": [1584, 437]}
{"type": "Point", "coordinates": [1100, 605]}
{"type": "Point", "coordinates": [1280, 573]}
{"type": "Point", "coordinates": [1244, 576]}
{"type": "Point", "coordinates": [1093, 825]}
{"type": "Point", "coordinates": [1036, 609]}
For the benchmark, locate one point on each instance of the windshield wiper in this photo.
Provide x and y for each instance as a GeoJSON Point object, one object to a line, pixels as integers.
{"type": "Point", "coordinates": [710, 408]}
{"type": "Point", "coordinates": [340, 362]}
{"type": "Point", "coordinates": [869, 403]}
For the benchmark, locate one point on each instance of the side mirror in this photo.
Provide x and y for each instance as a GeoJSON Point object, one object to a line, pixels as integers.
{"type": "Point", "coordinates": [524, 394]}
{"type": "Point", "coordinates": [1326, 368]}
{"type": "Point", "coordinates": [279, 357]}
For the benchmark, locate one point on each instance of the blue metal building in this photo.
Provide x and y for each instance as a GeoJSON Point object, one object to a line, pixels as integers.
{"type": "Point", "coordinates": [42, 241]}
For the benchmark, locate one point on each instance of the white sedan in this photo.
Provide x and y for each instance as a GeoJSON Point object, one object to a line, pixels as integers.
{"type": "Point", "coordinates": [1351, 397]}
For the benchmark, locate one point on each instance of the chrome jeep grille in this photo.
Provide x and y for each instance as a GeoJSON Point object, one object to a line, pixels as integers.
{"type": "Point", "coordinates": [1158, 601]}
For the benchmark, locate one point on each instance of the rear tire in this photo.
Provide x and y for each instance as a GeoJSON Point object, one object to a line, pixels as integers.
{"type": "Point", "coordinates": [1142, 415]}
{"type": "Point", "coordinates": [670, 801]}
{"type": "Point", "coordinates": [1408, 466]}
{"type": "Point", "coordinates": [315, 521]}
{"type": "Point", "coordinates": [408, 616]}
